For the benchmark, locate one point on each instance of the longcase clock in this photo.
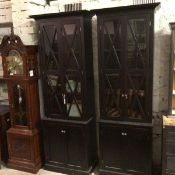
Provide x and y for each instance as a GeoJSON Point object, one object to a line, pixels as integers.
{"type": "Point", "coordinates": [20, 73]}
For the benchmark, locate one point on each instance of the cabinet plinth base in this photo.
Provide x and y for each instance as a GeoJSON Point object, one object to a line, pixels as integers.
{"type": "Point", "coordinates": [67, 170]}
{"type": "Point", "coordinates": [108, 172]}
{"type": "Point", "coordinates": [24, 150]}
{"type": "Point", "coordinates": [24, 166]}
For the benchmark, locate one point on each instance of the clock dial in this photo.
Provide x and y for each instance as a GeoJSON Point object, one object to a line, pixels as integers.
{"type": "Point", "coordinates": [14, 63]}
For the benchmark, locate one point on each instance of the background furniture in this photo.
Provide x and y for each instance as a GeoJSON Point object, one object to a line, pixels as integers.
{"type": "Point", "coordinates": [4, 126]}
{"type": "Point", "coordinates": [66, 66]}
{"type": "Point", "coordinates": [172, 73]}
{"type": "Point", "coordinates": [168, 158]}
{"type": "Point", "coordinates": [20, 73]}
{"type": "Point", "coordinates": [168, 139]}
{"type": "Point", "coordinates": [125, 40]}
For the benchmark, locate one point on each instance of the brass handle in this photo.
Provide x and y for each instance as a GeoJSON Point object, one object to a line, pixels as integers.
{"type": "Point", "coordinates": [126, 96]}
{"type": "Point", "coordinates": [124, 134]}
{"type": "Point", "coordinates": [8, 120]}
{"type": "Point", "coordinates": [63, 131]}
{"type": "Point", "coordinates": [123, 95]}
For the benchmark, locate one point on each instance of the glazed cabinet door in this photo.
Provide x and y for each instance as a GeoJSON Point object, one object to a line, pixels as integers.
{"type": "Point", "coordinates": [51, 69]}
{"type": "Point", "coordinates": [111, 145]}
{"type": "Point", "coordinates": [138, 69]}
{"type": "Point", "coordinates": [111, 67]}
{"type": "Point", "coordinates": [54, 143]}
{"type": "Point", "coordinates": [73, 64]}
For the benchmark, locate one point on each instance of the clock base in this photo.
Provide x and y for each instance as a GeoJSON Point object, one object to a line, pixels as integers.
{"type": "Point", "coordinates": [24, 151]}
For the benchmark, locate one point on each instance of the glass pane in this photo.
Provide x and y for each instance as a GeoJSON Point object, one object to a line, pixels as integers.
{"type": "Point", "coordinates": [50, 47]}
{"type": "Point", "coordinates": [69, 28]}
{"type": "Point", "coordinates": [112, 44]}
{"type": "Point", "coordinates": [19, 105]}
{"type": "Point", "coordinates": [112, 95]}
{"type": "Point", "coordinates": [73, 96]}
{"type": "Point", "coordinates": [136, 97]}
{"type": "Point", "coordinates": [53, 96]}
{"type": "Point", "coordinates": [14, 63]}
{"type": "Point", "coordinates": [72, 47]}
{"type": "Point", "coordinates": [137, 35]}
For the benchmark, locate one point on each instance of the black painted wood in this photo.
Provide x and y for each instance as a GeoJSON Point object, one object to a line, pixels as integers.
{"type": "Point", "coordinates": [126, 150]}
{"type": "Point", "coordinates": [69, 148]}
{"type": "Point", "coordinates": [66, 66]}
{"type": "Point", "coordinates": [125, 58]}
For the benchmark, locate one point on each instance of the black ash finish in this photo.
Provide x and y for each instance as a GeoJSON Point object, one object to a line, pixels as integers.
{"type": "Point", "coordinates": [66, 66]}
{"type": "Point", "coordinates": [125, 40]}
{"type": "Point", "coordinates": [168, 159]}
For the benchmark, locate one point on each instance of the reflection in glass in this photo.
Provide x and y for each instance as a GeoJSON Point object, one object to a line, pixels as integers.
{"type": "Point", "coordinates": [73, 97]}
{"type": "Point", "coordinates": [112, 95]}
{"type": "Point", "coordinates": [53, 96]}
{"type": "Point", "coordinates": [112, 44]}
{"type": "Point", "coordinates": [72, 46]}
{"type": "Point", "coordinates": [50, 47]}
{"type": "Point", "coordinates": [14, 63]}
{"type": "Point", "coordinates": [19, 105]}
{"type": "Point", "coordinates": [137, 35]}
{"type": "Point", "coordinates": [136, 97]}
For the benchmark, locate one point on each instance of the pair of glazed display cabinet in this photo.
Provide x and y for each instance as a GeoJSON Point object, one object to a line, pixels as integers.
{"type": "Point", "coordinates": [79, 130]}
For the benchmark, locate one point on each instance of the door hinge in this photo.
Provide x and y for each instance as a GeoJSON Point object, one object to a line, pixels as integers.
{"type": "Point", "coordinates": [80, 29]}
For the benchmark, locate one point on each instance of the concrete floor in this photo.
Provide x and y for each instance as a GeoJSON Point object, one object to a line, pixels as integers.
{"type": "Point", "coordinates": [7, 171]}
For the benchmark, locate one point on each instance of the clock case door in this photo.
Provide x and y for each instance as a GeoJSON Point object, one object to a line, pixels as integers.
{"type": "Point", "coordinates": [66, 68]}
{"type": "Point", "coordinates": [18, 60]}
{"type": "Point", "coordinates": [24, 107]}
{"type": "Point", "coordinates": [125, 67]}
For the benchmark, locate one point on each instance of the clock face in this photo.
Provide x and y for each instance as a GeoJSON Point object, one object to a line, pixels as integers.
{"type": "Point", "coordinates": [14, 63]}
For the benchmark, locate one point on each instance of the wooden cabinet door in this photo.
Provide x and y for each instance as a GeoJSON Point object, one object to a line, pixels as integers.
{"type": "Point", "coordinates": [76, 149]}
{"type": "Point", "coordinates": [137, 154]}
{"type": "Point", "coordinates": [55, 143]}
{"type": "Point", "coordinates": [111, 150]}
